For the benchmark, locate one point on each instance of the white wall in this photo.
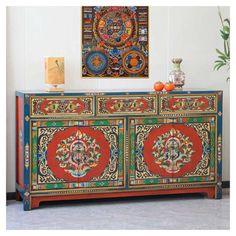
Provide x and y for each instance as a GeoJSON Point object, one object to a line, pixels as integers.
{"type": "Point", "coordinates": [35, 32]}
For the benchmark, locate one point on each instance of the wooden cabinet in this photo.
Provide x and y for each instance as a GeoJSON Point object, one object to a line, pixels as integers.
{"type": "Point", "coordinates": [99, 145]}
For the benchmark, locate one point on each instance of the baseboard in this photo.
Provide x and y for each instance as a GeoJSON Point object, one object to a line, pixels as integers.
{"type": "Point", "coordinates": [225, 184]}
{"type": "Point", "coordinates": [12, 195]}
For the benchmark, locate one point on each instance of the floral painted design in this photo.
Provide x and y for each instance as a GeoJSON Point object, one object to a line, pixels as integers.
{"type": "Point", "coordinates": [78, 154]}
{"type": "Point", "coordinates": [172, 150]}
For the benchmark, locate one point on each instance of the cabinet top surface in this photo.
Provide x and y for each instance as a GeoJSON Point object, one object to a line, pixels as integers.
{"type": "Point", "coordinates": [120, 91]}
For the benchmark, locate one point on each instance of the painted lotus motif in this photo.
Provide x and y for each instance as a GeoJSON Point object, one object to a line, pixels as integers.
{"type": "Point", "coordinates": [176, 150]}
{"type": "Point", "coordinates": [78, 154]}
{"type": "Point", "coordinates": [172, 150]}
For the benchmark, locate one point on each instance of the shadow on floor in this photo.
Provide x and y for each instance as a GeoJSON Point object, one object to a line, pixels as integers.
{"type": "Point", "coordinates": [120, 200]}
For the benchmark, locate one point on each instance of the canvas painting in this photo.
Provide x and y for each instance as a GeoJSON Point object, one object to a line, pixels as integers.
{"type": "Point", "coordinates": [115, 42]}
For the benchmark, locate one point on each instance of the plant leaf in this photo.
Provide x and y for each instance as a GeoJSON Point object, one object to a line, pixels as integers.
{"type": "Point", "coordinates": [225, 48]}
{"type": "Point", "coordinates": [226, 29]}
{"type": "Point", "coordinates": [218, 61]}
{"type": "Point", "coordinates": [218, 51]}
{"type": "Point", "coordinates": [223, 58]}
{"type": "Point", "coordinates": [228, 54]}
{"type": "Point", "coordinates": [224, 35]}
{"type": "Point", "coordinates": [219, 66]}
{"type": "Point", "coordinates": [227, 20]}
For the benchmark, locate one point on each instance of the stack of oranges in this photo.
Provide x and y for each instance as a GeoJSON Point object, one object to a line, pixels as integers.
{"type": "Point", "coordinates": [159, 86]}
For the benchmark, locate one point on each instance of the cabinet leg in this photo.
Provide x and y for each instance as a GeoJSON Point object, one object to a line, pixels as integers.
{"type": "Point", "coordinates": [215, 193]}
{"type": "Point", "coordinates": [27, 201]}
{"type": "Point", "coordinates": [35, 203]}
{"type": "Point", "coordinates": [27, 206]}
{"type": "Point", "coordinates": [210, 195]}
{"type": "Point", "coordinates": [31, 204]}
{"type": "Point", "coordinates": [18, 196]}
{"type": "Point", "coordinates": [219, 191]}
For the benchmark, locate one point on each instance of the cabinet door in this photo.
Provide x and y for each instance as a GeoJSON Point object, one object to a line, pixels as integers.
{"type": "Point", "coordinates": [172, 150]}
{"type": "Point", "coordinates": [77, 154]}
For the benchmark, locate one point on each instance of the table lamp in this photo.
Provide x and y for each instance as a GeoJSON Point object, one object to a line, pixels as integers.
{"type": "Point", "coordinates": [54, 73]}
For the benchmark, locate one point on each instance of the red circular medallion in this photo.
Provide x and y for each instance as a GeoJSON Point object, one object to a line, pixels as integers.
{"type": "Point", "coordinates": [78, 154]}
{"type": "Point", "coordinates": [172, 150]}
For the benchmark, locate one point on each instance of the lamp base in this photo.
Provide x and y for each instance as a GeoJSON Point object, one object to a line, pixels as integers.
{"type": "Point", "coordinates": [55, 89]}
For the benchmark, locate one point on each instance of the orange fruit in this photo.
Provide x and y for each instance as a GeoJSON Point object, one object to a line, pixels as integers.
{"type": "Point", "coordinates": [169, 86]}
{"type": "Point", "coordinates": [158, 86]}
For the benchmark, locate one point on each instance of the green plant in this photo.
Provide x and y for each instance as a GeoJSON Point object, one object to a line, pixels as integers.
{"type": "Point", "coordinates": [224, 56]}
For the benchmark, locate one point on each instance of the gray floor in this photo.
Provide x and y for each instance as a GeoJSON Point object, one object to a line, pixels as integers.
{"type": "Point", "coordinates": [159, 212]}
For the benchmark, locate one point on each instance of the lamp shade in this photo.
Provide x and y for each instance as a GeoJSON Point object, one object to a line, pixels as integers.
{"type": "Point", "coordinates": [54, 70]}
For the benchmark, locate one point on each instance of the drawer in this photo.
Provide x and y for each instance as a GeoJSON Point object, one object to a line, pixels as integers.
{"type": "Point", "coordinates": [126, 104]}
{"type": "Point", "coordinates": [174, 103]}
{"type": "Point", "coordinates": [57, 106]}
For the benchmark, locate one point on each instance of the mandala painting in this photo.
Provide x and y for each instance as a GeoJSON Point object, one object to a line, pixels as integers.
{"type": "Point", "coordinates": [115, 42]}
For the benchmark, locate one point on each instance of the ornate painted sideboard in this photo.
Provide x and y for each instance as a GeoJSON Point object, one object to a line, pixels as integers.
{"type": "Point", "coordinates": [76, 145]}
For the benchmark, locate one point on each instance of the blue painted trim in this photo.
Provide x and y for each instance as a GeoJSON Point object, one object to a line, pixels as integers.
{"type": "Point", "coordinates": [84, 93]}
{"type": "Point", "coordinates": [20, 190]}
{"type": "Point", "coordinates": [26, 199]}
{"type": "Point", "coordinates": [126, 151]}
{"type": "Point", "coordinates": [19, 94]}
{"type": "Point", "coordinates": [219, 134]}
{"type": "Point", "coordinates": [94, 105]}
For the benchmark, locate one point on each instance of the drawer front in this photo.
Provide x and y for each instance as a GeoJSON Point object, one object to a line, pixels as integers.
{"type": "Point", "coordinates": [188, 103]}
{"type": "Point", "coordinates": [126, 104]}
{"type": "Point", "coordinates": [57, 106]}
{"type": "Point", "coordinates": [77, 154]}
{"type": "Point", "coordinates": [166, 151]}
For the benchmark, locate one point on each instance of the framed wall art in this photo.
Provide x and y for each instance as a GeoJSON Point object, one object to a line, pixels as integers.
{"type": "Point", "coordinates": [115, 42]}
